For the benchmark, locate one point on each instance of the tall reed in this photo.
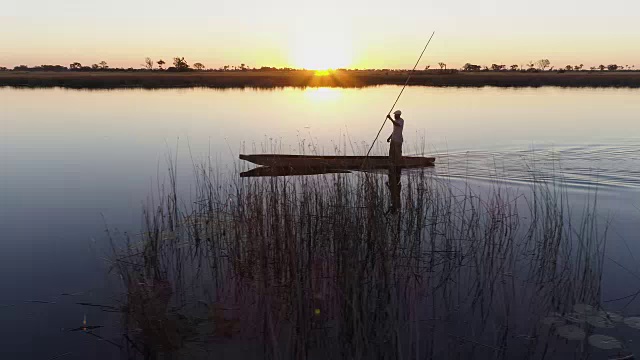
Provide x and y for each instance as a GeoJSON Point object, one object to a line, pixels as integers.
{"type": "Point", "coordinates": [317, 267]}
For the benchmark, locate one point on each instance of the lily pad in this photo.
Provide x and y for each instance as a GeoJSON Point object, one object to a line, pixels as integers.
{"type": "Point", "coordinates": [633, 322]}
{"type": "Point", "coordinates": [600, 322]}
{"type": "Point", "coordinates": [584, 309]}
{"type": "Point", "coordinates": [623, 355]}
{"type": "Point", "coordinates": [604, 342]}
{"type": "Point", "coordinates": [571, 332]}
{"type": "Point", "coordinates": [615, 317]}
{"type": "Point", "coordinates": [574, 317]}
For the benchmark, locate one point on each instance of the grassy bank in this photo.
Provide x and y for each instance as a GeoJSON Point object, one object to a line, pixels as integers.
{"type": "Point", "coordinates": [316, 267]}
{"type": "Point", "coordinates": [347, 79]}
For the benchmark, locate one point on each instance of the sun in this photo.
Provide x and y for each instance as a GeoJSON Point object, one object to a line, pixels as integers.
{"type": "Point", "coordinates": [321, 49]}
{"type": "Point", "coordinates": [325, 72]}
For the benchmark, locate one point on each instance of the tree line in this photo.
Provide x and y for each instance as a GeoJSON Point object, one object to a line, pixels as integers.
{"type": "Point", "coordinates": [179, 65]}
{"type": "Point", "coordinates": [541, 65]}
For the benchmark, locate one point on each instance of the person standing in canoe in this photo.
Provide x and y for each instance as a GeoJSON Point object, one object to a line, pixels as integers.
{"type": "Point", "coordinates": [395, 139]}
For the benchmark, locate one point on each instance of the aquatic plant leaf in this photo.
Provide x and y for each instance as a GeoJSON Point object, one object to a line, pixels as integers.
{"type": "Point", "coordinates": [600, 322]}
{"type": "Point", "coordinates": [575, 317]}
{"type": "Point", "coordinates": [571, 332]}
{"type": "Point", "coordinates": [615, 317]}
{"type": "Point", "coordinates": [86, 328]}
{"type": "Point", "coordinates": [633, 322]}
{"type": "Point", "coordinates": [604, 342]}
{"type": "Point", "coordinates": [623, 355]}
{"type": "Point", "coordinates": [584, 309]}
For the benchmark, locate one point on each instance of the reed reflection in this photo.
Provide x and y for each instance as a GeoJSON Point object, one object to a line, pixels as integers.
{"type": "Point", "coordinates": [395, 186]}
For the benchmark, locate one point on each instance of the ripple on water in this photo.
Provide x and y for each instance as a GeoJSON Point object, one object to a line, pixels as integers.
{"type": "Point", "coordinates": [602, 166]}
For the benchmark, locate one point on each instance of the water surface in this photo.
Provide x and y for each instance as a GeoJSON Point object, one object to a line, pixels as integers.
{"type": "Point", "coordinates": [73, 162]}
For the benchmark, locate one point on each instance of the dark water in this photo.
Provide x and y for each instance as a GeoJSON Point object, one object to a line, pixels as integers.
{"type": "Point", "coordinates": [73, 162]}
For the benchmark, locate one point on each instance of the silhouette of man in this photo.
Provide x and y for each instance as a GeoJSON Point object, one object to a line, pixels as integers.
{"type": "Point", "coordinates": [395, 139]}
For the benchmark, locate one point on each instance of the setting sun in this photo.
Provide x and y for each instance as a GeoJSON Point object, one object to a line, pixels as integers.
{"type": "Point", "coordinates": [321, 49]}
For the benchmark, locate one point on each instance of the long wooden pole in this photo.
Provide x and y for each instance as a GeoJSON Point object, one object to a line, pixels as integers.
{"type": "Point", "coordinates": [398, 98]}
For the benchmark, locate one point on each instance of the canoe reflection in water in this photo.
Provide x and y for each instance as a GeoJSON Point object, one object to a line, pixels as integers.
{"type": "Point", "coordinates": [292, 165]}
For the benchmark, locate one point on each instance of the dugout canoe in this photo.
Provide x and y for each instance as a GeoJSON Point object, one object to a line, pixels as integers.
{"type": "Point", "coordinates": [335, 162]}
{"type": "Point", "coordinates": [267, 171]}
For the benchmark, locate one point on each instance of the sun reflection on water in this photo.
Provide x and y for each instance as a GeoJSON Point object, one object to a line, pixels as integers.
{"type": "Point", "coordinates": [323, 94]}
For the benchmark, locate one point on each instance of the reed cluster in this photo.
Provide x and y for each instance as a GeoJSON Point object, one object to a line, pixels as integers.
{"type": "Point", "coordinates": [318, 267]}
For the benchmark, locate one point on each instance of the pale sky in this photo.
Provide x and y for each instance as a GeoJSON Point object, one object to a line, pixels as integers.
{"type": "Point", "coordinates": [356, 34]}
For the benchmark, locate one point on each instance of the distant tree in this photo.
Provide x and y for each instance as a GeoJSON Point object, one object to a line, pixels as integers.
{"type": "Point", "coordinates": [580, 67]}
{"type": "Point", "coordinates": [148, 63]}
{"type": "Point", "coordinates": [593, 68]}
{"type": "Point", "coordinates": [514, 67]}
{"type": "Point", "coordinates": [602, 67]}
{"type": "Point", "coordinates": [442, 65]}
{"type": "Point", "coordinates": [427, 67]}
{"type": "Point", "coordinates": [180, 64]}
{"type": "Point", "coordinates": [471, 67]}
{"type": "Point", "coordinates": [2, 68]}
{"type": "Point", "coordinates": [161, 63]}
{"type": "Point", "coordinates": [496, 67]}
{"type": "Point", "coordinates": [75, 66]}
{"type": "Point", "coordinates": [242, 67]}
{"type": "Point", "coordinates": [198, 66]}
{"type": "Point", "coordinates": [95, 67]}
{"type": "Point", "coordinates": [21, 68]}
{"type": "Point", "coordinates": [568, 67]}
{"type": "Point", "coordinates": [49, 68]}
{"type": "Point", "coordinates": [103, 65]}
{"type": "Point", "coordinates": [226, 67]}
{"type": "Point", "coordinates": [543, 64]}
{"type": "Point", "coordinates": [612, 67]}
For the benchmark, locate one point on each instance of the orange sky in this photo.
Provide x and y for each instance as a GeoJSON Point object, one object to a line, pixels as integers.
{"type": "Point", "coordinates": [356, 34]}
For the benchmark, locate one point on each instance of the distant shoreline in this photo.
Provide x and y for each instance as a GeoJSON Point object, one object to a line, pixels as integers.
{"type": "Point", "coordinates": [301, 79]}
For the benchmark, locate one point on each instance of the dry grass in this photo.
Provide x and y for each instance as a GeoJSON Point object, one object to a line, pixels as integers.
{"type": "Point", "coordinates": [316, 267]}
{"type": "Point", "coordinates": [347, 79]}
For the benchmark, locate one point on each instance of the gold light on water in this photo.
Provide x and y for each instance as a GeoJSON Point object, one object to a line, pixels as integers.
{"type": "Point", "coordinates": [322, 94]}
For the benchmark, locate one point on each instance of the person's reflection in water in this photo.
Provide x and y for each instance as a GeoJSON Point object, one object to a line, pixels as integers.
{"type": "Point", "coordinates": [394, 188]}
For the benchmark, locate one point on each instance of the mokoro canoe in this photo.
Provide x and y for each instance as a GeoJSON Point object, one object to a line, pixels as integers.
{"type": "Point", "coordinates": [264, 171]}
{"type": "Point", "coordinates": [335, 162]}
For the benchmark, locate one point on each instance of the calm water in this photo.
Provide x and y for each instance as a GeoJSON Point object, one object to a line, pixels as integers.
{"type": "Point", "coordinates": [73, 161]}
